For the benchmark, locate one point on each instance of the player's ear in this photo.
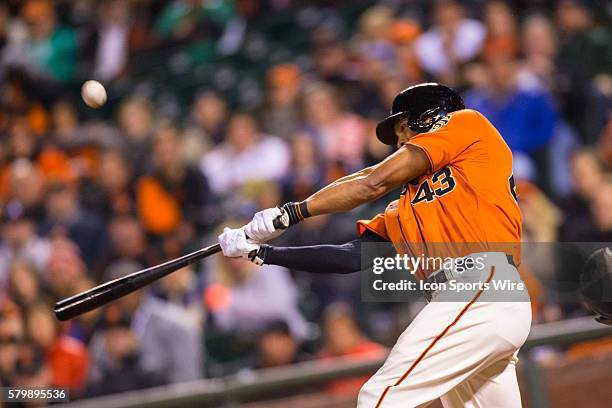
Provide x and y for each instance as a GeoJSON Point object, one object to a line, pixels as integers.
{"type": "Point", "coordinates": [400, 127]}
{"type": "Point", "coordinates": [400, 133]}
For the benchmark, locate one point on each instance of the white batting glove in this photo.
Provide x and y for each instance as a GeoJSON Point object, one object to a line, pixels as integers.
{"type": "Point", "coordinates": [235, 244]}
{"type": "Point", "coordinates": [261, 228]}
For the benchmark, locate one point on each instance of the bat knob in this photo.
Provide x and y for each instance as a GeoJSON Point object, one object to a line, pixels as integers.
{"type": "Point", "coordinates": [282, 221]}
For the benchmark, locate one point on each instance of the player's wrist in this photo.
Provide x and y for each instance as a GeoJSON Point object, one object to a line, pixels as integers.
{"type": "Point", "coordinates": [259, 257]}
{"type": "Point", "coordinates": [295, 212]}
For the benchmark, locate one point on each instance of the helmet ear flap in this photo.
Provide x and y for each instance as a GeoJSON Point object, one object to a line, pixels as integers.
{"type": "Point", "coordinates": [426, 120]}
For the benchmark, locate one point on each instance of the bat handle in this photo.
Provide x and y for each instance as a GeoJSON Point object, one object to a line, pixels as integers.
{"type": "Point", "coordinates": [282, 221]}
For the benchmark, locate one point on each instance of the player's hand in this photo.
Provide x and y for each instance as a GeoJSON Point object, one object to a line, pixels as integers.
{"type": "Point", "coordinates": [235, 244]}
{"type": "Point", "coordinates": [261, 228]}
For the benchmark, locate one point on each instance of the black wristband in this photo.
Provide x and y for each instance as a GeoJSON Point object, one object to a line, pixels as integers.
{"type": "Point", "coordinates": [296, 211]}
{"type": "Point", "coordinates": [262, 253]}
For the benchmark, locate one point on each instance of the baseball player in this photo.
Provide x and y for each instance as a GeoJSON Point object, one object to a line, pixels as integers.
{"type": "Point", "coordinates": [456, 171]}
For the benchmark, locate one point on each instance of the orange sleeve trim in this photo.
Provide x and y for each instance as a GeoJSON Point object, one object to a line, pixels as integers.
{"type": "Point", "coordinates": [434, 341]}
{"type": "Point", "coordinates": [363, 226]}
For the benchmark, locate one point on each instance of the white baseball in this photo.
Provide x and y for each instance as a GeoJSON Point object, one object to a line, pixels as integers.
{"type": "Point", "coordinates": [93, 93]}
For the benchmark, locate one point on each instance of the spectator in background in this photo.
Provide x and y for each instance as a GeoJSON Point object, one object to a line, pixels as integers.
{"type": "Point", "coordinates": [209, 118]}
{"type": "Point", "coordinates": [525, 118]}
{"type": "Point", "coordinates": [281, 115]}
{"type": "Point", "coordinates": [246, 154]}
{"type": "Point", "coordinates": [24, 284]}
{"type": "Point", "coordinates": [277, 347]}
{"type": "Point", "coordinates": [181, 288]}
{"type": "Point", "coordinates": [374, 29]}
{"type": "Point", "coordinates": [12, 334]}
{"type": "Point", "coordinates": [580, 29]}
{"type": "Point", "coordinates": [244, 298]}
{"type": "Point", "coordinates": [377, 61]}
{"type": "Point", "coordinates": [20, 241]}
{"type": "Point", "coordinates": [22, 141]}
{"type": "Point", "coordinates": [254, 196]}
{"type": "Point", "coordinates": [22, 119]}
{"type": "Point", "coordinates": [604, 145]}
{"type": "Point", "coordinates": [83, 327]}
{"type": "Point", "coordinates": [375, 50]}
{"type": "Point", "coordinates": [588, 175]}
{"type": "Point", "coordinates": [117, 365]}
{"type": "Point", "coordinates": [80, 140]}
{"type": "Point", "coordinates": [112, 45]}
{"type": "Point", "coordinates": [180, 20]}
{"type": "Point", "coordinates": [331, 58]}
{"type": "Point", "coordinates": [500, 23]}
{"type": "Point", "coordinates": [51, 49]}
{"type": "Point", "coordinates": [64, 122]}
{"type": "Point", "coordinates": [110, 194]}
{"type": "Point", "coordinates": [376, 151]}
{"type": "Point", "coordinates": [17, 106]}
{"type": "Point", "coordinates": [173, 197]}
{"type": "Point", "coordinates": [31, 370]}
{"type": "Point", "coordinates": [541, 218]}
{"type": "Point", "coordinates": [5, 22]}
{"type": "Point", "coordinates": [165, 338]}
{"type": "Point", "coordinates": [65, 271]}
{"type": "Point", "coordinates": [66, 357]}
{"type": "Point", "coordinates": [539, 45]}
{"type": "Point", "coordinates": [136, 124]}
{"type": "Point", "coordinates": [27, 186]}
{"type": "Point", "coordinates": [339, 135]}
{"type": "Point", "coordinates": [128, 241]}
{"type": "Point", "coordinates": [572, 256]}
{"type": "Point", "coordinates": [585, 56]}
{"type": "Point", "coordinates": [65, 216]}
{"type": "Point", "coordinates": [602, 216]}
{"type": "Point", "coordinates": [450, 42]}
{"type": "Point", "coordinates": [538, 71]}
{"type": "Point", "coordinates": [343, 338]}
{"type": "Point", "coordinates": [307, 171]}
{"type": "Point", "coordinates": [403, 35]}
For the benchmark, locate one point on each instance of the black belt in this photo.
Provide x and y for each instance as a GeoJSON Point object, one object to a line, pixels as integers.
{"type": "Point", "coordinates": [440, 277]}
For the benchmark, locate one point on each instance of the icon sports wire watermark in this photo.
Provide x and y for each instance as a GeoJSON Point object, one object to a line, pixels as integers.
{"type": "Point", "coordinates": [403, 272]}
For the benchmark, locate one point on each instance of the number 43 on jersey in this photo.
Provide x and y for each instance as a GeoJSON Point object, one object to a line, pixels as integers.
{"type": "Point", "coordinates": [442, 182]}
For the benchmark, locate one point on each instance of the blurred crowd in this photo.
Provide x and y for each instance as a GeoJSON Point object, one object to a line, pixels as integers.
{"type": "Point", "coordinates": [88, 196]}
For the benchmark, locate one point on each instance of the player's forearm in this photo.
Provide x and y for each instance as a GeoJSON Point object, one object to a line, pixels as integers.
{"type": "Point", "coordinates": [358, 174]}
{"type": "Point", "coordinates": [326, 259]}
{"type": "Point", "coordinates": [407, 163]}
{"type": "Point", "coordinates": [345, 258]}
{"type": "Point", "coordinates": [344, 195]}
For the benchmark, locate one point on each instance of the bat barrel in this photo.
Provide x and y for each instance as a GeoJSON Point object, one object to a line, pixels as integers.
{"type": "Point", "coordinates": [100, 295]}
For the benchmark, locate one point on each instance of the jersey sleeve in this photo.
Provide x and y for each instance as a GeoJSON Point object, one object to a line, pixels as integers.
{"type": "Point", "coordinates": [448, 138]}
{"type": "Point", "coordinates": [375, 225]}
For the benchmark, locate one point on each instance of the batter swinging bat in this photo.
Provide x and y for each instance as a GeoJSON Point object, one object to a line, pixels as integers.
{"type": "Point", "coordinates": [107, 292]}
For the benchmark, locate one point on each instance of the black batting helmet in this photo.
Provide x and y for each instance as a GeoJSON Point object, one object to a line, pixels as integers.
{"type": "Point", "coordinates": [596, 284]}
{"type": "Point", "coordinates": [423, 105]}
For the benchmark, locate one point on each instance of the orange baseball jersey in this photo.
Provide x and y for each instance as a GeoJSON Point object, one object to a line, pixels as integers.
{"type": "Point", "coordinates": [468, 196]}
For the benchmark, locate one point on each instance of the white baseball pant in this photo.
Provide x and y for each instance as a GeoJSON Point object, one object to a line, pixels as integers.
{"type": "Point", "coordinates": [463, 352]}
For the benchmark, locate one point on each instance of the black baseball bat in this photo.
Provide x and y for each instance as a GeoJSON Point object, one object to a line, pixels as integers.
{"type": "Point", "coordinates": [107, 292]}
